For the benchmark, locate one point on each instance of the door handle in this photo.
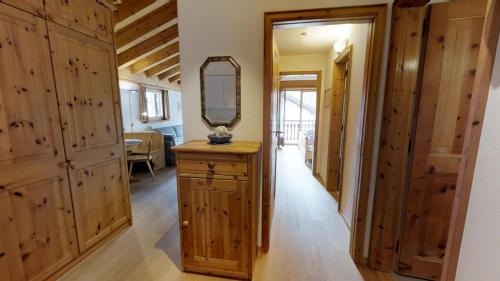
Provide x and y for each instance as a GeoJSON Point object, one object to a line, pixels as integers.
{"type": "Point", "coordinates": [277, 132]}
{"type": "Point", "coordinates": [185, 223]}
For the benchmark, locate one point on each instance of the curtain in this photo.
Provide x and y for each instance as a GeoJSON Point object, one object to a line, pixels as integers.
{"type": "Point", "coordinates": [143, 104]}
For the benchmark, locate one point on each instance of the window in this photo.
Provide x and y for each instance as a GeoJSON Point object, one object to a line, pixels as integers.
{"type": "Point", "coordinates": [154, 104]}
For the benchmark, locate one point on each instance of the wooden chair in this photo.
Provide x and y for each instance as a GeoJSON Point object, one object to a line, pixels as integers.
{"type": "Point", "coordinates": [133, 158]}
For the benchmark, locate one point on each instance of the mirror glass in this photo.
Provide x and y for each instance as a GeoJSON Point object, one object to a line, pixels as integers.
{"type": "Point", "coordinates": [220, 91]}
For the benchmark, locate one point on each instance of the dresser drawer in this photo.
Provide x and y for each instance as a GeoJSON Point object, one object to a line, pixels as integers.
{"type": "Point", "coordinates": [213, 164]}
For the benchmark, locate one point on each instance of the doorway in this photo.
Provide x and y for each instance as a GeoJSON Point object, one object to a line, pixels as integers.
{"type": "Point", "coordinates": [375, 17]}
{"type": "Point", "coordinates": [298, 113]}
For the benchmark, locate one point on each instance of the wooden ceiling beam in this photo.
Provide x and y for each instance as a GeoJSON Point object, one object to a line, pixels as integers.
{"type": "Point", "coordinates": [170, 72]}
{"type": "Point", "coordinates": [162, 67]}
{"type": "Point", "coordinates": [155, 58]}
{"type": "Point", "coordinates": [148, 46]}
{"type": "Point", "coordinates": [128, 8]}
{"type": "Point", "coordinates": [174, 78]}
{"type": "Point", "coordinates": [147, 24]}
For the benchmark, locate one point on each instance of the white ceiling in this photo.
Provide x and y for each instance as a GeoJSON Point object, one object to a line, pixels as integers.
{"type": "Point", "coordinates": [317, 39]}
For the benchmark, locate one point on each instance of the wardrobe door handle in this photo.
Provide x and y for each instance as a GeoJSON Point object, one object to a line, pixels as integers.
{"type": "Point", "coordinates": [185, 224]}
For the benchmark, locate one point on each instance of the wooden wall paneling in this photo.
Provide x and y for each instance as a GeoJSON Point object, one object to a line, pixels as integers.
{"type": "Point", "coordinates": [155, 58]}
{"type": "Point", "coordinates": [85, 16]}
{"type": "Point", "coordinates": [439, 140]}
{"type": "Point", "coordinates": [148, 46]}
{"type": "Point", "coordinates": [38, 235]}
{"type": "Point", "coordinates": [480, 91]}
{"type": "Point", "coordinates": [128, 8]}
{"type": "Point", "coordinates": [157, 146]}
{"type": "Point", "coordinates": [87, 86]}
{"type": "Point", "coordinates": [162, 67]}
{"type": "Point", "coordinates": [34, 7]}
{"type": "Point", "coordinates": [146, 24]}
{"type": "Point", "coordinates": [399, 103]}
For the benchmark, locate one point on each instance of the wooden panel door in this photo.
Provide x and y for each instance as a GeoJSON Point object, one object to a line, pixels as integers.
{"type": "Point", "coordinates": [448, 77]}
{"type": "Point", "coordinates": [86, 79]}
{"type": "Point", "coordinates": [215, 224]}
{"type": "Point", "coordinates": [37, 234]}
{"type": "Point", "coordinates": [86, 16]}
{"type": "Point", "coordinates": [31, 6]}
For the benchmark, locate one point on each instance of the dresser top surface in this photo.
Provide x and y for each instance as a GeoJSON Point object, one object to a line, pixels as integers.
{"type": "Point", "coordinates": [202, 146]}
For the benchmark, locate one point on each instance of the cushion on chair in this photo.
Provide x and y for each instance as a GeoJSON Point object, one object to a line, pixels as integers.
{"type": "Point", "coordinates": [179, 131]}
{"type": "Point", "coordinates": [138, 157]}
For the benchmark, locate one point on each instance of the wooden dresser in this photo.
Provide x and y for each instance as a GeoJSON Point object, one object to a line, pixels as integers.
{"type": "Point", "coordinates": [218, 187]}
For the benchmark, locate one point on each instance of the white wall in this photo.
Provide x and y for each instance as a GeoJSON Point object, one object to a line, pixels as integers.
{"type": "Point", "coordinates": [131, 111]}
{"type": "Point", "coordinates": [354, 131]}
{"type": "Point", "coordinates": [480, 252]}
{"type": "Point", "coordinates": [232, 28]}
{"type": "Point", "coordinates": [236, 28]}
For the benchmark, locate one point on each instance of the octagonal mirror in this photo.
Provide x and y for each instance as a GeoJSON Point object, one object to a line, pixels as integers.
{"type": "Point", "coordinates": [220, 91]}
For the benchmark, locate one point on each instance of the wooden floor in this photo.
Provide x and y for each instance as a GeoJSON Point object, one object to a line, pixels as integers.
{"type": "Point", "coordinates": [309, 240]}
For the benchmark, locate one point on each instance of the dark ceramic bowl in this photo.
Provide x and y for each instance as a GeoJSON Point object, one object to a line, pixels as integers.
{"type": "Point", "coordinates": [214, 139]}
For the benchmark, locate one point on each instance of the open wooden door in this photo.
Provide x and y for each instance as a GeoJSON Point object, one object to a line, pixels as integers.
{"type": "Point", "coordinates": [269, 165]}
{"type": "Point", "coordinates": [449, 70]}
{"type": "Point", "coordinates": [338, 121]}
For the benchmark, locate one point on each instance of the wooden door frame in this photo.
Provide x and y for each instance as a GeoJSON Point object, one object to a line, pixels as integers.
{"type": "Point", "coordinates": [376, 16]}
{"type": "Point", "coordinates": [318, 100]}
{"type": "Point", "coordinates": [344, 57]}
{"type": "Point", "coordinates": [480, 92]}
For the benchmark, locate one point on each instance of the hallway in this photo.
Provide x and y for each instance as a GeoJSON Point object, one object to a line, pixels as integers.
{"type": "Point", "coordinates": [309, 239]}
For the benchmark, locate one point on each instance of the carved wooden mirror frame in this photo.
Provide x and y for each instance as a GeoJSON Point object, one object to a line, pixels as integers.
{"type": "Point", "coordinates": [237, 68]}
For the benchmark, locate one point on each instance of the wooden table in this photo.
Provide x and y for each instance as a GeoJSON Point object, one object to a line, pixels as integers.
{"type": "Point", "coordinates": [132, 144]}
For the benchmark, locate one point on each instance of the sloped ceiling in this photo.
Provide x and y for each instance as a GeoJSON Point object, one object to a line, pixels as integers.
{"type": "Point", "coordinates": [147, 38]}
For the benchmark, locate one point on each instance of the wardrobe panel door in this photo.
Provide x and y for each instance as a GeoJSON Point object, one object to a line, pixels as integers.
{"type": "Point", "coordinates": [31, 6]}
{"type": "Point", "coordinates": [87, 85]}
{"type": "Point", "coordinates": [85, 16]}
{"type": "Point", "coordinates": [37, 234]}
{"type": "Point", "coordinates": [448, 77]}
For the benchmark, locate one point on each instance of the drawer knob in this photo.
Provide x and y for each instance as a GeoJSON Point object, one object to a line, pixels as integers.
{"type": "Point", "coordinates": [185, 223]}
{"type": "Point", "coordinates": [211, 165]}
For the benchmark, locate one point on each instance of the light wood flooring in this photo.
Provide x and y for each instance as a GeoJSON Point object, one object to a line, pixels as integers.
{"type": "Point", "coordinates": [309, 240]}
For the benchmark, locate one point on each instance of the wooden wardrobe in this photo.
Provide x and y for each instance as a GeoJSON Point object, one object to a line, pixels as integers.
{"type": "Point", "coordinates": [63, 182]}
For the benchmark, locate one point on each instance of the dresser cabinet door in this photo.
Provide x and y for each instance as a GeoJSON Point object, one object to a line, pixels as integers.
{"type": "Point", "coordinates": [37, 235]}
{"type": "Point", "coordinates": [85, 16]}
{"type": "Point", "coordinates": [215, 224]}
{"type": "Point", "coordinates": [87, 88]}
{"type": "Point", "coordinates": [31, 6]}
